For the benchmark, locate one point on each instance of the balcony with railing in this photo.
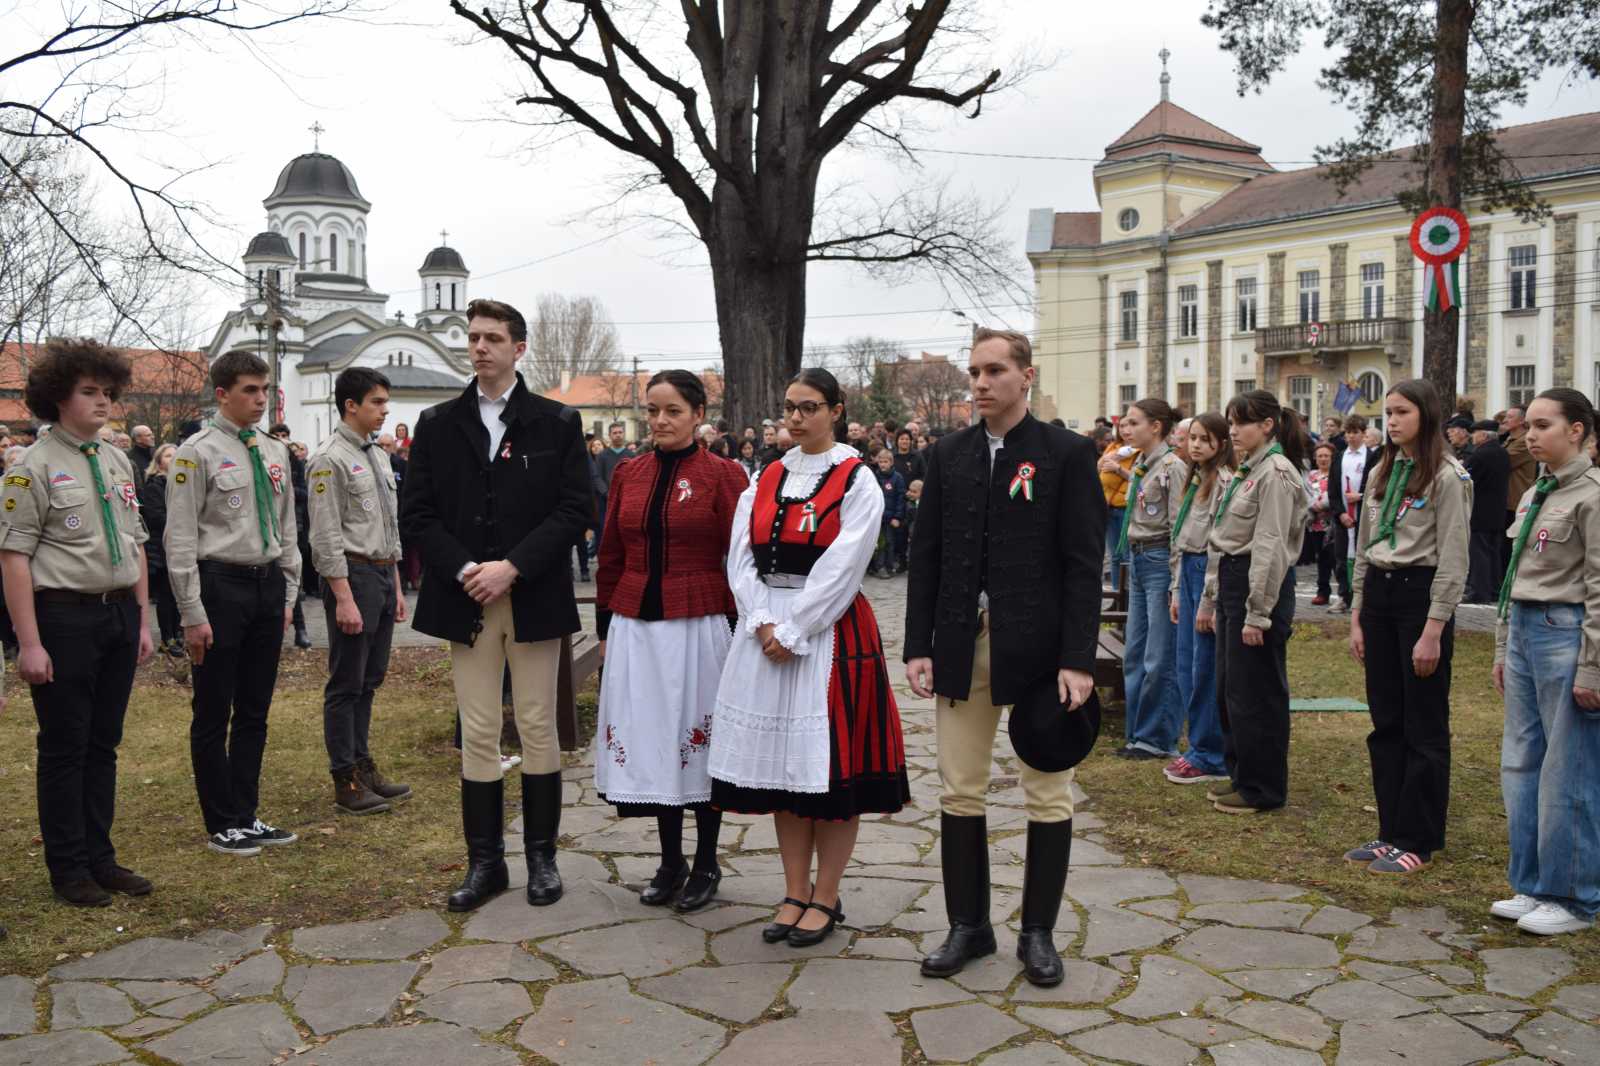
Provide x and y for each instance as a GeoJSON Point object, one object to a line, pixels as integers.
{"type": "Point", "coordinates": [1390, 333]}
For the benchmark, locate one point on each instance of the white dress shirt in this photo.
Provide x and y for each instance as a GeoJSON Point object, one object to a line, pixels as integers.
{"type": "Point", "coordinates": [490, 411]}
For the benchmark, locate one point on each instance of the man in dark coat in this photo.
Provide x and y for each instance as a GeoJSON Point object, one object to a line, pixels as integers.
{"type": "Point", "coordinates": [1004, 593]}
{"type": "Point", "coordinates": [1490, 467]}
{"type": "Point", "coordinates": [496, 492]}
{"type": "Point", "coordinates": [1347, 478]}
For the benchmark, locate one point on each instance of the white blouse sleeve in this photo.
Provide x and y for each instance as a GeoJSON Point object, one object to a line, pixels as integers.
{"type": "Point", "coordinates": [749, 592]}
{"type": "Point", "coordinates": [836, 578]}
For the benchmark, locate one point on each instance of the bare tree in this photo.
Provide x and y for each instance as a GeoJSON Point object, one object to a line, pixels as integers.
{"type": "Point", "coordinates": [570, 335]}
{"type": "Point", "coordinates": [737, 129]}
{"type": "Point", "coordinates": [933, 387]}
{"type": "Point", "coordinates": [621, 390]}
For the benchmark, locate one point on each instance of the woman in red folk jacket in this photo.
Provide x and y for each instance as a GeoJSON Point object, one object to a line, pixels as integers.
{"type": "Point", "coordinates": [663, 607]}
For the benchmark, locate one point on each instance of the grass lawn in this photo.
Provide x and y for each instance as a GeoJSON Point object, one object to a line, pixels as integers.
{"type": "Point", "coordinates": [1330, 803]}
{"type": "Point", "coordinates": [343, 868]}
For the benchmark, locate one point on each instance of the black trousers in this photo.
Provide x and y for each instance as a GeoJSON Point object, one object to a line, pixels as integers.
{"type": "Point", "coordinates": [1327, 559]}
{"type": "Point", "coordinates": [233, 692]}
{"type": "Point", "coordinates": [1253, 688]}
{"type": "Point", "coordinates": [167, 617]}
{"type": "Point", "coordinates": [1484, 572]}
{"type": "Point", "coordinates": [357, 663]}
{"type": "Point", "coordinates": [94, 650]}
{"type": "Point", "coordinates": [1340, 536]}
{"type": "Point", "coordinates": [1410, 738]}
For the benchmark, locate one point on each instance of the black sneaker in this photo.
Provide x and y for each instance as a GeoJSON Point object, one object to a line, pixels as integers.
{"type": "Point", "coordinates": [268, 836]}
{"type": "Point", "coordinates": [233, 842]}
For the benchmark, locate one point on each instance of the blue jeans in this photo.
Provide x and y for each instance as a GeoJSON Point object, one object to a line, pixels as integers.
{"type": "Point", "coordinates": [1197, 670]}
{"type": "Point", "coordinates": [1550, 761]}
{"type": "Point", "coordinates": [1114, 517]}
{"type": "Point", "coordinates": [1149, 673]}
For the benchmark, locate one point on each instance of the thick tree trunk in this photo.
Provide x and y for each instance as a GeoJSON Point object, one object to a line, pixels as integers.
{"type": "Point", "coordinates": [1440, 330]}
{"type": "Point", "coordinates": [761, 313]}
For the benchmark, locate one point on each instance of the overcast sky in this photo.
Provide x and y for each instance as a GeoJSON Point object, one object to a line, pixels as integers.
{"type": "Point", "coordinates": [403, 103]}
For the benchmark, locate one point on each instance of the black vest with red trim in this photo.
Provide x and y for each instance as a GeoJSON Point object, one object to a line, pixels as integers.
{"type": "Point", "coordinates": [789, 536]}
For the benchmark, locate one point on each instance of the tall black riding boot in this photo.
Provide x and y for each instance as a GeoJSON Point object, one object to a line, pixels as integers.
{"type": "Point", "coordinates": [964, 853]}
{"type": "Point", "coordinates": [483, 820]}
{"type": "Point", "coordinates": [1043, 882]}
{"type": "Point", "coordinates": [541, 825]}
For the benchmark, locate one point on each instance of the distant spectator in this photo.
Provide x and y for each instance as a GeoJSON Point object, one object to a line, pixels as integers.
{"type": "Point", "coordinates": [1490, 467]}
{"type": "Point", "coordinates": [907, 461]}
{"type": "Point", "coordinates": [747, 456]}
{"type": "Point", "coordinates": [885, 562]}
{"type": "Point", "coordinates": [1458, 431]}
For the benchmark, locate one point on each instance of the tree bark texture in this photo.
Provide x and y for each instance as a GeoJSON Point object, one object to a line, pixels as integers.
{"type": "Point", "coordinates": [1440, 329]}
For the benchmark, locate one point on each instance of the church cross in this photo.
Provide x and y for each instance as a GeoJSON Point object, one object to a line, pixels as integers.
{"type": "Point", "coordinates": [317, 130]}
{"type": "Point", "coordinates": [444, 237]}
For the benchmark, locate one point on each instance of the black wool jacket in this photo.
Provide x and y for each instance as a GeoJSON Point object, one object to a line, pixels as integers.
{"type": "Point", "coordinates": [527, 506]}
{"type": "Point", "coordinates": [1044, 558]}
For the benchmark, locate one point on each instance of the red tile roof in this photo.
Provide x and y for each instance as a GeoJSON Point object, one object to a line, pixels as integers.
{"type": "Point", "coordinates": [615, 390]}
{"type": "Point", "coordinates": [1075, 228]}
{"type": "Point", "coordinates": [1169, 128]}
{"type": "Point", "coordinates": [154, 372]}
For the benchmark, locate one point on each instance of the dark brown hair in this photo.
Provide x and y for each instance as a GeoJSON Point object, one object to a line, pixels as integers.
{"type": "Point", "coordinates": [1216, 427]}
{"type": "Point", "coordinates": [1258, 405]}
{"type": "Point", "coordinates": [1575, 408]}
{"type": "Point", "coordinates": [686, 384]}
{"type": "Point", "coordinates": [228, 369]}
{"type": "Point", "coordinates": [1021, 347]}
{"type": "Point", "coordinates": [516, 325]}
{"type": "Point", "coordinates": [1429, 445]}
{"type": "Point", "coordinates": [52, 378]}
{"type": "Point", "coordinates": [1159, 410]}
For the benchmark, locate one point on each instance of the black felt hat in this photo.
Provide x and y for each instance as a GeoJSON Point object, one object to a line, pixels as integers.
{"type": "Point", "coordinates": [1046, 735]}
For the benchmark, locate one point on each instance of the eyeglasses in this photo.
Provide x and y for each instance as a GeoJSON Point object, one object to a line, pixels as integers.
{"type": "Point", "coordinates": [805, 407]}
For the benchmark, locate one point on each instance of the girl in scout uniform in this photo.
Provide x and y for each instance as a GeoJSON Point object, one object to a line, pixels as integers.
{"type": "Point", "coordinates": [1410, 572]}
{"type": "Point", "coordinates": [1249, 599]}
{"type": "Point", "coordinates": [1547, 665]}
{"type": "Point", "coordinates": [1210, 470]}
{"type": "Point", "coordinates": [1149, 668]}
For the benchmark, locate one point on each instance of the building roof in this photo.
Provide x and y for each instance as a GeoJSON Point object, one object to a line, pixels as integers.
{"type": "Point", "coordinates": [333, 349]}
{"type": "Point", "coordinates": [614, 389]}
{"type": "Point", "coordinates": [1169, 129]}
{"type": "Point", "coordinates": [317, 176]}
{"type": "Point", "coordinates": [274, 245]}
{"type": "Point", "coordinates": [1075, 228]}
{"type": "Point", "coordinates": [155, 372]}
{"type": "Point", "coordinates": [1538, 149]}
{"type": "Point", "coordinates": [420, 377]}
{"type": "Point", "coordinates": [443, 260]}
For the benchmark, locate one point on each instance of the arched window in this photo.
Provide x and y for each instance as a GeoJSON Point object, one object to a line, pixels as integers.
{"type": "Point", "coordinates": [452, 296]}
{"type": "Point", "coordinates": [436, 304]}
{"type": "Point", "coordinates": [350, 249]}
{"type": "Point", "coordinates": [1371, 386]}
{"type": "Point", "coordinates": [363, 259]}
{"type": "Point", "coordinates": [333, 255]}
{"type": "Point", "coordinates": [302, 251]}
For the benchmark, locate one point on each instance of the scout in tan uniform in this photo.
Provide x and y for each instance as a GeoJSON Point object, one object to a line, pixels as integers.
{"type": "Point", "coordinates": [1547, 665]}
{"type": "Point", "coordinates": [71, 549]}
{"type": "Point", "coordinates": [1211, 465]}
{"type": "Point", "coordinates": [1150, 677]}
{"type": "Point", "coordinates": [355, 546]}
{"type": "Point", "coordinates": [235, 572]}
{"type": "Point", "coordinates": [1249, 599]}
{"type": "Point", "coordinates": [1410, 573]}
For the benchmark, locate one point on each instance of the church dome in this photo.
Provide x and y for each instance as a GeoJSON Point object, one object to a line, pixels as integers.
{"type": "Point", "coordinates": [319, 177]}
{"type": "Point", "coordinates": [269, 246]}
{"type": "Point", "coordinates": [443, 260]}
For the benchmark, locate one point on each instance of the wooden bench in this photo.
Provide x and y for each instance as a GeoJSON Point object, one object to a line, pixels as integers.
{"type": "Point", "coordinates": [1109, 652]}
{"type": "Point", "coordinates": [580, 660]}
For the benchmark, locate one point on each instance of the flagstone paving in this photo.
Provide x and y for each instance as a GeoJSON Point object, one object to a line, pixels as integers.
{"type": "Point", "coordinates": [1161, 970]}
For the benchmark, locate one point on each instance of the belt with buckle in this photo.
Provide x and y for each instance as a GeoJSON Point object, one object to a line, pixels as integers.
{"type": "Point", "coordinates": [368, 560]}
{"type": "Point", "coordinates": [240, 570]}
{"type": "Point", "coordinates": [1138, 547]}
{"type": "Point", "coordinates": [83, 599]}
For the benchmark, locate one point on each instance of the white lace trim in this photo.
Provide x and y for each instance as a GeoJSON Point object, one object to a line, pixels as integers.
{"type": "Point", "coordinates": [758, 619]}
{"type": "Point", "coordinates": [664, 800]}
{"type": "Point", "coordinates": [793, 638]}
{"type": "Point", "coordinates": [798, 462]}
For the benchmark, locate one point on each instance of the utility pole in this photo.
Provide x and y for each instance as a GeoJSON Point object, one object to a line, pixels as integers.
{"type": "Point", "coordinates": [268, 310]}
{"type": "Point", "coordinates": [633, 389]}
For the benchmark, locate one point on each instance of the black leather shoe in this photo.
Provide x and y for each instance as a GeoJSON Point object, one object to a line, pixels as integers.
{"type": "Point", "coordinates": [698, 892]}
{"type": "Point", "coordinates": [804, 938]}
{"type": "Point", "coordinates": [121, 879]}
{"type": "Point", "coordinates": [301, 640]}
{"type": "Point", "coordinates": [541, 825]}
{"type": "Point", "coordinates": [483, 824]}
{"type": "Point", "coordinates": [1043, 882]}
{"type": "Point", "coordinates": [964, 855]}
{"type": "Point", "coordinates": [776, 931]}
{"type": "Point", "coordinates": [82, 893]}
{"type": "Point", "coordinates": [664, 885]}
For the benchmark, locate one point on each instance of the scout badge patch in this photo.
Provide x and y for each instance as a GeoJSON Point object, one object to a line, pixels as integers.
{"type": "Point", "coordinates": [808, 518]}
{"type": "Point", "coordinates": [684, 489]}
{"type": "Point", "coordinates": [1023, 482]}
{"type": "Point", "coordinates": [227, 464]}
{"type": "Point", "coordinates": [63, 478]}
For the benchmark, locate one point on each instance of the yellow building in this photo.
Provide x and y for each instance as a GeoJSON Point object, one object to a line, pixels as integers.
{"type": "Point", "coordinates": [1207, 272]}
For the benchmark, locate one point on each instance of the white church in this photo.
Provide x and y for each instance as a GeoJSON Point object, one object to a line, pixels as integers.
{"type": "Point", "coordinates": [314, 254]}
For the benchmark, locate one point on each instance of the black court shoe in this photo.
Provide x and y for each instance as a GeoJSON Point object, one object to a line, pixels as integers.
{"type": "Point", "coordinates": [666, 884]}
{"type": "Point", "coordinates": [804, 938]}
{"type": "Point", "coordinates": [776, 931]}
{"type": "Point", "coordinates": [698, 892]}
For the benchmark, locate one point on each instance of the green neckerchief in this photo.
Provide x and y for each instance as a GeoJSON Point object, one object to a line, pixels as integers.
{"type": "Point", "coordinates": [1398, 477]}
{"type": "Point", "coordinates": [266, 511]}
{"type": "Point", "coordinates": [108, 519]}
{"type": "Point", "coordinates": [1140, 469]}
{"type": "Point", "coordinates": [1188, 502]}
{"type": "Point", "coordinates": [1541, 489]}
{"type": "Point", "coordinates": [1238, 479]}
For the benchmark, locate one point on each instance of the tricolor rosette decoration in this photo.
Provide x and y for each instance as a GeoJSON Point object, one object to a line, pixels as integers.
{"type": "Point", "coordinates": [1439, 236]}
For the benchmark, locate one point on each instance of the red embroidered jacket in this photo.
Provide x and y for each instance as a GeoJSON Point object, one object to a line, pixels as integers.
{"type": "Point", "coordinates": [669, 519]}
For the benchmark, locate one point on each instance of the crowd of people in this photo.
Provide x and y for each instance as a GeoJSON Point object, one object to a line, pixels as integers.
{"type": "Point", "coordinates": [744, 668]}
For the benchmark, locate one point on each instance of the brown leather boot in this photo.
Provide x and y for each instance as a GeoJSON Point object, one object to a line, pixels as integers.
{"type": "Point", "coordinates": [351, 795]}
{"type": "Point", "coordinates": [373, 778]}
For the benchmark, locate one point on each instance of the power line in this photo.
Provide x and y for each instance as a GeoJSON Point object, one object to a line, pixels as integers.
{"type": "Point", "coordinates": [1272, 162]}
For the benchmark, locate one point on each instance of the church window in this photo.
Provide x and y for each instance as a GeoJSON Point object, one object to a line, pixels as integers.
{"type": "Point", "coordinates": [436, 304]}
{"type": "Point", "coordinates": [302, 251]}
{"type": "Point", "coordinates": [333, 255]}
{"type": "Point", "coordinates": [452, 296]}
{"type": "Point", "coordinates": [363, 271]}
{"type": "Point", "coordinates": [350, 254]}
{"type": "Point", "coordinates": [1128, 220]}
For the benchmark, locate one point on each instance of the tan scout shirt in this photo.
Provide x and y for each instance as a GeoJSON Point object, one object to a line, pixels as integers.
{"type": "Point", "coordinates": [1266, 520]}
{"type": "Point", "coordinates": [1152, 512]}
{"type": "Point", "coordinates": [211, 512]}
{"type": "Point", "coordinates": [352, 503]}
{"type": "Point", "coordinates": [1567, 568]}
{"type": "Point", "coordinates": [52, 513]}
{"type": "Point", "coordinates": [1196, 531]}
{"type": "Point", "coordinates": [1430, 530]}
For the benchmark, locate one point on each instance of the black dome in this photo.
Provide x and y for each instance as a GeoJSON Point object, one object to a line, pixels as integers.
{"type": "Point", "coordinates": [442, 260]}
{"type": "Point", "coordinates": [318, 176]}
{"type": "Point", "coordinates": [263, 245]}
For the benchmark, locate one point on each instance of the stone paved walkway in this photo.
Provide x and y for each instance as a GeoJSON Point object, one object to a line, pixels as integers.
{"type": "Point", "coordinates": [1161, 970]}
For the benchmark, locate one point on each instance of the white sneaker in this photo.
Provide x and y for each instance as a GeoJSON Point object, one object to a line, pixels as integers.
{"type": "Point", "coordinates": [509, 763]}
{"type": "Point", "coordinates": [1515, 907]}
{"type": "Point", "coordinates": [1549, 919]}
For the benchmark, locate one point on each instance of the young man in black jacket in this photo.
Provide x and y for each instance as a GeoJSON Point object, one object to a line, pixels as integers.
{"type": "Point", "coordinates": [1490, 467]}
{"type": "Point", "coordinates": [497, 490]}
{"type": "Point", "coordinates": [1004, 592]}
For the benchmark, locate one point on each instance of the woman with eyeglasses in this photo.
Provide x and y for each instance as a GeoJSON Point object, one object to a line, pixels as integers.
{"type": "Point", "coordinates": [806, 724]}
